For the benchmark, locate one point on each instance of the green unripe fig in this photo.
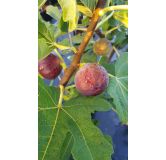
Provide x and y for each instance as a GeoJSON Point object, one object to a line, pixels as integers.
{"type": "Point", "coordinates": [102, 47]}
{"type": "Point", "coordinates": [91, 79]}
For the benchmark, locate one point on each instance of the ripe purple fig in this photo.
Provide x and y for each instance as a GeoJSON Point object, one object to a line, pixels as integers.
{"type": "Point", "coordinates": [50, 67]}
{"type": "Point", "coordinates": [102, 47]}
{"type": "Point", "coordinates": [91, 79]}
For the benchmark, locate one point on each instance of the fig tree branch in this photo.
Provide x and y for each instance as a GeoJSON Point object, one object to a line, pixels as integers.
{"type": "Point", "coordinates": [111, 54]}
{"type": "Point", "coordinates": [77, 57]}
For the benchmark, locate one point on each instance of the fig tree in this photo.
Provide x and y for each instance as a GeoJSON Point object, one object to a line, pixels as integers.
{"type": "Point", "coordinates": [91, 79]}
{"type": "Point", "coordinates": [50, 67]}
{"type": "Point", "coordinates": [102, 47]}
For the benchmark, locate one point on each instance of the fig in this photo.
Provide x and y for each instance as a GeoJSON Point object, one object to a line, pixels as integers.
{"type": "Point", "coordinates": [50, 67]}
{"type": "Point", "coordinates": [102, 47]}
{"type": "Point", "coordinates": [91, 79]}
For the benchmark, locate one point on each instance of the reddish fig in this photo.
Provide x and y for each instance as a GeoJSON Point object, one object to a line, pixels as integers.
{"type": "Point", "coordinates": [50, 67]}
{"type": "Point", "coordinates": [91, 79]}
{"type": "Point", "coordinates": [102, 47]}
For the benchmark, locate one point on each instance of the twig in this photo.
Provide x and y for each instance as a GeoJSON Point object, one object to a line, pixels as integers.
{"type": "Point", "coordinates": [111, 54]}
{"type": "Point", "coordinates": [98, 32]}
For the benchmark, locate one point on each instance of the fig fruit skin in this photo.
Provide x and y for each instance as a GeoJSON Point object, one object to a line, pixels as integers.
{"type": "Point", "coordinates": [91, 79]}
{"type": "Point", "coordinates": [102, 47]}
{"type": "Point", "coordinates": [50, 67]}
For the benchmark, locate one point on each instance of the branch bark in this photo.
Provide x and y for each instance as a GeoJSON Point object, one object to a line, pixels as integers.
{"type": "Point", "coordinates": [97, 31]}
{"type": "Point", "coordinates": [76, 61]}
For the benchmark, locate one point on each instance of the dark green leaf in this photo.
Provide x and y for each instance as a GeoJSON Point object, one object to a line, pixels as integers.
{"type": "Point", "coordinates": [112, 22]}
{"type": "Point", "coordinates": [66, 147]}
{"type": "Point", "coordinates": [75, 117]}
{"type": "Point", "coordinates": [123, 43]}
{"type": "Point", "coordinates": [63, 25]}
{"type": "Point", "coordinates": [119, 38]}
{"type": "Point", "coordinates": [109, 67]}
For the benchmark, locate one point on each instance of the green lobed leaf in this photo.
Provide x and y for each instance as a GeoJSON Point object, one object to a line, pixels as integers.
{"type": "Point", "coordinates": [53, 11]}
{"type": "Point", "coordinates": [118, 87]}
{"type": "Point", "coordinates": [75, 117]}
{"type": "Point", "coordinates": [119, 38]}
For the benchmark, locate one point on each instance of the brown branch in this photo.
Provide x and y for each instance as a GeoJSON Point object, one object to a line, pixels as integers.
{"type": "Point", "coordinates": [111, 54]}
{"type": "Point", "coordinates": [97, 31]}
{"type": "Point", "coordinates": [76, 61]}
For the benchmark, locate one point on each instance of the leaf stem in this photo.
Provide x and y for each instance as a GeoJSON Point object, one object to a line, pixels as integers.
{"type": "Point", "coordinates": [110, 75]}
{"type": "Point", "coordinates": [112, 8]}
{"type": "Point", "coordinates": [81, 29]}
{"type": "Point", "coordinates": [111, 30]}
{"type": "Point", "coordinates": [61, 95]}
{"type": "Point", "coordinates": [62, 63]}
{"type": "Point", "coordinates": [114, 110]}
{"type": "Point", "coordinates": [99, 59]}
{"type": "Point", "coordinates": [51, 82]}
{"type": "Point", "coordinates": [116, 51]}
{"type": "Point", "coordinates": [72, 86]}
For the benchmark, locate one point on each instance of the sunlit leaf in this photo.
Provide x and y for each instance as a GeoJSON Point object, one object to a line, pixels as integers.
{"type": "Point", "coordinates": [69, 11]}
{"type": "Point", "coordinates": [85, 10]}
{"type": "Point", "coordinates": [122, 16]}
{"type": "Point", "coordinates": [54, 12]}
